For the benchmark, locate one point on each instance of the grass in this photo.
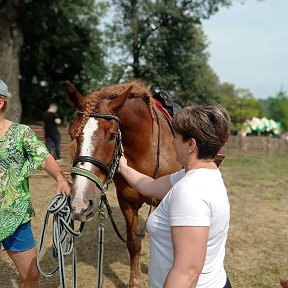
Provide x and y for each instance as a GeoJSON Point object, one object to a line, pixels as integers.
{"type": "Point", "coordinates": [257, 247]}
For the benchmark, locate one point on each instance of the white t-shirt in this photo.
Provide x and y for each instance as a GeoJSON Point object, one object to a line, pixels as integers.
{"type": "Point", "coordinates": [197, 198]}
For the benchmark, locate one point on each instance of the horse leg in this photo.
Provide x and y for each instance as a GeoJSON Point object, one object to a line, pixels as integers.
{"type": "Point", "coordinates": [132, 227]}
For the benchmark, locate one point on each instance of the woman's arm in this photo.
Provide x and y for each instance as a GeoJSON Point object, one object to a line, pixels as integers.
{"type": "Point", "coordinates": [53, 169]}
{"type": "Point", "coordinates": [189, 247]}
{"type": "Point", "coordinates": [146, 185]}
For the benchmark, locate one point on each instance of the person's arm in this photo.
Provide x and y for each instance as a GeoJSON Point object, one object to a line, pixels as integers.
{"type": "Point", "coordinates": [58, 121]}
{"type": "Point", "coordinates": [146, 185]}
{"type": "Point", "coordinates": [189, 247]}
{"type": "Point", "coordinates": [53, 169]}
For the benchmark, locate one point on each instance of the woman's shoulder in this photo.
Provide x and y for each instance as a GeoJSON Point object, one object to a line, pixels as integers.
{"type": "Point", "coordinates": [178, 175]}
{"type": "Point", "coordinates": [20, 126]}
{"type": "Point", "coordinates": [25, 127]}
{"type": "Point", "coordinates": [200, 180]}
{"type": "Point", "coordinates": [22, 130]}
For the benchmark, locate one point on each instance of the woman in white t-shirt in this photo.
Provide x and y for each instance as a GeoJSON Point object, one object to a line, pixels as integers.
{"type": "Point", "coordinates": [189, 228]}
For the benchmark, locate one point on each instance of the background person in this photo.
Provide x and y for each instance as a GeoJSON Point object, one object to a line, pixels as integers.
{"type": "Point", "coordinates": [21, 155]}
{"type": "Point", "coordinates": [52, 134]}
{"type": "Point", "coordinates": [188, 230]}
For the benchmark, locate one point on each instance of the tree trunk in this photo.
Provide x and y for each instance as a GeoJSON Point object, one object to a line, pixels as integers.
{"type": "Point", "coordinates": [10, 44]}
{"type": "Point", "coordinates": [135, 38]}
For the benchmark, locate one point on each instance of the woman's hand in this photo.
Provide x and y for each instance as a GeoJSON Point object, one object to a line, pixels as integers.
{"type": "Point", "coordinates": [122, 164]}
{"type": "Point", "coordinates": [145, 185]}
{"type": "Point", "coordinates": [54, 170]}
{"type": "Point", "coordinates": [63, 185]}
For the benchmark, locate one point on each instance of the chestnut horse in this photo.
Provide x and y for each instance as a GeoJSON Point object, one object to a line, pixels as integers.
{"type": "Point", "coordinates": [103, 116]}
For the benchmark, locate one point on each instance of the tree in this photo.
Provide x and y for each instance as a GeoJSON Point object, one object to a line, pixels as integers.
{"type": "Point", "coordinates": [62, 42]}
{"type": "Point", "coordinates": [241, 105]}
{"type": "Point", "coordinates": [277, 108]}
{"type": "Point", "coordinates": [58, 40]}
{"type": "Point", "coordinates": [162, 43]}
{"type": "Point", "coordinates": [10, 44]}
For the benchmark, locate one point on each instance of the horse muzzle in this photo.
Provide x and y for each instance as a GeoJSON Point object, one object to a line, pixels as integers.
{"type": "Point", "coordinates": [83, 210]}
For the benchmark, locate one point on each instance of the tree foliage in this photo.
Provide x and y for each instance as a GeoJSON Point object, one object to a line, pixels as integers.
{"type": "Point", "coordinates": [277, 108]}
{"type": "Point", "coordinates": [162, 43]}
{"type": "Point", "coordinates": [62, 42]}
{"type": "Point", "coordinates": [241, 105]}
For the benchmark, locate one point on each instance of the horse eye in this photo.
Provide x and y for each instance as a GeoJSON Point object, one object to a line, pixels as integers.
{"type": "Point", "coordinates": [112, 137]}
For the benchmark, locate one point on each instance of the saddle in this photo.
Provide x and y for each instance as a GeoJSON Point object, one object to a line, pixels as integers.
{"type": "Point", "coordinates": [169, 108]}
{"type": "Point", "coordinates": [164, 101]}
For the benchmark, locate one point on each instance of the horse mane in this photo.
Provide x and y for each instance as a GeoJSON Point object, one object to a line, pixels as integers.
{"type": "Point", "coordinates": [92, 101]}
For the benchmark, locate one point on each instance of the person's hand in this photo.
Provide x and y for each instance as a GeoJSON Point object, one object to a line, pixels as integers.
{"type": "Point", "coordinates": [63, 185]}
{"type": "Point", "coordinates": [122, 164]}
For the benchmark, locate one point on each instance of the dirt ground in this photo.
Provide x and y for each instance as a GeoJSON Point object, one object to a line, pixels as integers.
{"type": "Point", "coordinates": [116, 262]}
{"type": "Point", "coordinates": [256, 251]}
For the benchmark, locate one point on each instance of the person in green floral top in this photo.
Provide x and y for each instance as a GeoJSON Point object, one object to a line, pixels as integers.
{"type": "Point", "coordinates": [21, 155]}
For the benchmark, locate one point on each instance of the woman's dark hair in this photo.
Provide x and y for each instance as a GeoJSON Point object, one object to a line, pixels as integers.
{"type": "Point", "coordinates": [209, 125]}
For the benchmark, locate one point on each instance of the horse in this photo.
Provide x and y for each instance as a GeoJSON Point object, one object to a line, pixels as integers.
{"type": "Point", "coordinates": [122, 114]}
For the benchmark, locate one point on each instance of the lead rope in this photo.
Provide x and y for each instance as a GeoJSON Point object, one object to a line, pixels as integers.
{"type": "Point", "coordinates": [101, 228]}
{"type": "Point", "coordinates": [63, 238]}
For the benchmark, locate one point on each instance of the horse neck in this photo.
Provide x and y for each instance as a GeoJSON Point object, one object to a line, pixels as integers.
{"type": "Point", "coordinates": [142, 141]}
{"type": "Point", "coordinates": [137, 126]}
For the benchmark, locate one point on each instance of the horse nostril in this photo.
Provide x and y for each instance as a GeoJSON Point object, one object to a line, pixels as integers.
{"type": "Point", "coordinates": [89, 211]}
{"type": "Point", "coordinates": [74, 211]}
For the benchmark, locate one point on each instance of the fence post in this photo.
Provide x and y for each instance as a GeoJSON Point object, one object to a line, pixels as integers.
{"type": "Point", "coordinates": [267, 145]}
{"type": "Point", "coordinates": [240, 145]}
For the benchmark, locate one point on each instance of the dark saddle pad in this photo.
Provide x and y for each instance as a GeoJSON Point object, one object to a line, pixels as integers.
{"type": "Point", "coordinates": [165, 99]}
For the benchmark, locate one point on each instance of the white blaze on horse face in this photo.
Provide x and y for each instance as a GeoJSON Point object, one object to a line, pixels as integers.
{"type": "Point", "coordinates": [81, 183]}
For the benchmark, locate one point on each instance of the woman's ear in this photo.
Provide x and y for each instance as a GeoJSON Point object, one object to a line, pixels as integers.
{"type": "Point", "coordinates": [191, 145]}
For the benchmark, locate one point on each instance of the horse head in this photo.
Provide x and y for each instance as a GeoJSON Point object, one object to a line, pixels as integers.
{"type": "Point", "coordinates": [96, 142]}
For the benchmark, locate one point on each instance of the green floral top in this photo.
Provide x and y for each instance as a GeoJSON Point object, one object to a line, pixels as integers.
{"type": "Point", "coordinates": [21, 155]}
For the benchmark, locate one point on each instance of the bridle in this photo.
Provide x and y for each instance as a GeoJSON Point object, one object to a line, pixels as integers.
{"type": "Point", "coordinates": [109, 170]}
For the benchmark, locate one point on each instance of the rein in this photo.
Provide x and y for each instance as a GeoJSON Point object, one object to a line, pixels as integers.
{"type": "Point", "coordinates": [63, 238]}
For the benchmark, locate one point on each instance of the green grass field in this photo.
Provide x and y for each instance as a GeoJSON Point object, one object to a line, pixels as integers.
{"type": "Point", "coordinates": [257, 250]}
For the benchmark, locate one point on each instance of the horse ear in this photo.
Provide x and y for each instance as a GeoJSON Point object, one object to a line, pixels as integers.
{"type": "Point", "coordinates": [118, 102]}
{"type": "Point", "coordinates": [74, 96]}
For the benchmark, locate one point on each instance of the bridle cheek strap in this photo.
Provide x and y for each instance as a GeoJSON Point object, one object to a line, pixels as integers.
{"type": "Point", "coordinates": [89, 175]}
